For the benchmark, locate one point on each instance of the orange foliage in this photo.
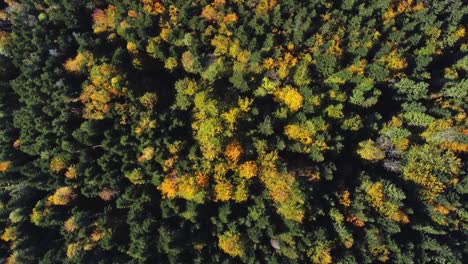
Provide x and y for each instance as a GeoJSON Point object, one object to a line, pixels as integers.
{"type": "Point", "coordinates": [233, 151]}
{"type": "Point", "coordinates": [107, 194]}
{"type": "Point", "coordinates": [70, 225]}
{"type": "Point", "coordinates": [168, 187]}
{"type": "Point", "coordinates": [344, 199]}
{"type": "Point", "coordinates": [230, 18]}
{"type": "Point", "coordinates": [104, 20]}
{"type": "Point", "coordinates": [355, 221]}
{"type": "Point", "coordinates": [4, 166]}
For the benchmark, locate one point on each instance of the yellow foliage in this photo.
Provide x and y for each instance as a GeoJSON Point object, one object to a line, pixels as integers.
{"type": "Point", "coordinates": [369, 151]}
{"type": "Point", "coordinates": [173, 14]}
{"type": "Point", "coordinates": [132, 47]}
{"type": "Point", "coordinates": [82, 59]}
{"type": "Point", "coordinates": [57, 164]}
{"type": "Point", "coordinates": [375, 195]}
{"type": "Point", "coordinates": [299, 133]}
{"type": "Point", "coordinates": [231, 244]}
{"type": "Point", "coordinates": [344, 199]}
{"type": "Point", "coordinates": [146, 154]}
{"type": "Point", "coordinates": [244, 104]}
{"type": "Point", "coordinates": [264, 6]}
{"type": "Point", "coordinates": [210, 13]}
{"type": "Point", "coordinates": [71, 173]}
{"type": "Point", "coordinates": [12, 258]}
{"type": "Point", "coordinates": [223, 191]}
{"type": "Point", "coordinates": [62, 196]}
{"type": "Point", "coordinates": [290, 97]}
{"type": "Point", "coordinates": [70, 225]}
{"type": "Point", "coordinates": [394, 61]}
{"type": "Point", "coordinates": [168, 187]}
{"type": "Point", "coordinates": [104, 20]}
{"type": "Point", "coordinates": [4, 166]}
{"type": "Point", "coordinates": [320, 254]}
{"type": "Point", "coordinates": [72, 249]}
{"type": "Point", "coordinates": [381, 252]}
{"type": "Point", "coordinates": [248, 169]}
{"type": "Point", "coordinates": [97, 234]}
{"type": "Point", "coordinates": [241, 194]}
{"type": "Point", "coordinates": [165, 31]}
{"type": "Point", "coordinates": [153, 7]}
{"type": "Point", "coordinates": [460, 33]}
{"type": "Point", "coordinates": [221, 45]}
{"type": "Point", "coordinates": [9, 234]}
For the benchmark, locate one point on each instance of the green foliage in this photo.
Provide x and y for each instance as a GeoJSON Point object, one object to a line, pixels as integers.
{"type": "Point", "coordinates": [233, 131]}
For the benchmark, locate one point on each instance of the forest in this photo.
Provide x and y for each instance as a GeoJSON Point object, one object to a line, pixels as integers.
{"type": "Point", "coordinates": [233, 131]}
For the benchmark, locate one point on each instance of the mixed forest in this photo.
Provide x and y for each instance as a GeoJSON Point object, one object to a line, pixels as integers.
{"type": "Point", "coordinates": [233, 131]}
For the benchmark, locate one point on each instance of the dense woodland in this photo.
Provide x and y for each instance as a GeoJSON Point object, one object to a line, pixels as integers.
{"type": "Point", "coordinates": [233, 131]}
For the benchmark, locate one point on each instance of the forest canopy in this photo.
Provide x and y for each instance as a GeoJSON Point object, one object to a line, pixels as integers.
{"type": "Point", "coordinates": [233, 131]}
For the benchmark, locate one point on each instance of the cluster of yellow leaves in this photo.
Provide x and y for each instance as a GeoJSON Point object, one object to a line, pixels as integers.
{"type": "Point", "coordinates": [290, 97]}
{"type": "Point", "coordinates": [146, 154]}
{"type": "Point", "coordinates": [148, 100]}
{"type": "Point", "coordinates": [207, 125]}
{"type": "Point", "coordinates": [299, 133]}
{"type": "Point", "coordinates": [281, 187]}
{"type": "Point", "coordinates": [144, 123]}
{"type": "Point", "coordinates": [231, 244]}
{"type": "Point", "coordinates": [70, 225]}
{"type": "Point", "coordinates": [62, 196]}
{"type": "Point", "coordinates": [442, 132]}
{"type": "Point", "coordinates": [283, 65]}
{"type": "Point", "coordinates": [248, 169]}
{"type": "Point", "coordinates": [97, 234]}
{"type": "Point", "coordinates": [187, 187]}
{"type": "Point", "coordinates": [320, 254]}
{"type": "Point", "coordinates": [223, 191]}
{"type": "Point", "coordinates": [369, 151]}
{"type": "Point", "coordinates": [104, 20]}
{"type": "Point", "coordinates": [9, 234]}
{"type": "Point", "coordinates": [210, 12]}
{"type": "Point", "coordinates": [264, 6]}
{"type": "Point", "coordinates": [57, 164]}
{"type": "Point", "coordinates": [381, 252]}
{"type": "Point", "coordinates": [97, 95]}
{"type": "Point", "coordinates": [81, 60]}
{"type": "Point", "coordinates": [153, 7]}
{"type": "Point", "coordinates": [375, 196]}
{"type": "Point", "coordinates": [399, 7]}
{"type": "Point", "coordinates": [71, 172]}
{"type": "Point", "coordinates": [4, 166]}
{"type": "Point", "coordinates": [334, 48]}
{"type": "Point", "coordinates": [72, 249]}
{"type": "Point", "coordinates": [425, 163]}
{"type": "Point", "coordinates": [135, 176]}
{"type": "Point", "coordinates": [358, 68]}
{"type": "Point", "coordinates": [394, 61]}
{"type": "Point", "coordinates": [168, 187]}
